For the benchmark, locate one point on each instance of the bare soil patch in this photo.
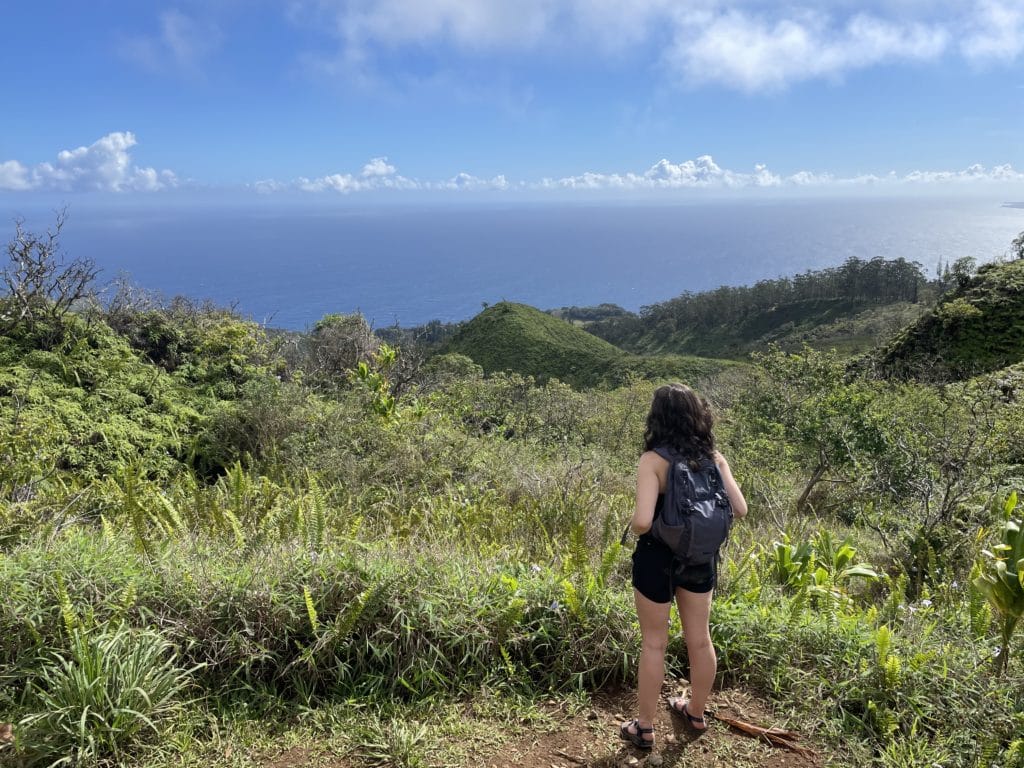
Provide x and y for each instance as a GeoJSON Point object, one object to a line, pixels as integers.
{"type": "Point", "coordinates": [571, 738]}
{"type": "Point", "coordinates": [591, 739]}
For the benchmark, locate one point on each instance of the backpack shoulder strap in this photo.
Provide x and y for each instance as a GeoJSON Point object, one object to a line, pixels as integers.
{"type": "Point", "coordinates": [667, 454]}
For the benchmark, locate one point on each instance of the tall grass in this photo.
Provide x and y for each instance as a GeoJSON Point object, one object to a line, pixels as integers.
{"type": "Point", "coordinates": [102, 696]}
{"type": "Point", "coordinates": [435, 614]}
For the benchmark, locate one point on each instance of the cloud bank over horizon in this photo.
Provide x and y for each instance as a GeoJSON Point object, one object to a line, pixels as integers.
{"type": "Point", "coordinates": [106, 165]}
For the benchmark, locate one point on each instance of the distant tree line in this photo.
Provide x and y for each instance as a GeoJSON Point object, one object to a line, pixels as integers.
{"type": "Point", "coordinates": [590, 314]}
{"type": "Point", "coordinates": [873, 281]}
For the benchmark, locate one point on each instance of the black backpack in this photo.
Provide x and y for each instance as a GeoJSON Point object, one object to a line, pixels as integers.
{"type": "Point", "coordinates": [695, 515]}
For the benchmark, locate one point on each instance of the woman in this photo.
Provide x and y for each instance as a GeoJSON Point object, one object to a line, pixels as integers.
{"type": "Point", "coordinates": [682, 421]}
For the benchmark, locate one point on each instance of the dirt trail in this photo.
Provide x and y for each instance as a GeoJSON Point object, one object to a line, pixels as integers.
{"type": "Point", "coordinates": [589, 739]}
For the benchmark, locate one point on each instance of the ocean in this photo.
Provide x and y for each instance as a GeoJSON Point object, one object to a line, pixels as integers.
{"type": "Point", "coordinates": [289, 265]}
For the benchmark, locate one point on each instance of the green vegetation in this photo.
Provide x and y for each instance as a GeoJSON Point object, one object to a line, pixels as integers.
{"type": "Point", "coordinates": [516, 337]}
{"type": "Point", "coordinates": [95, 701]}
{"type": "Point", "coordinates": [975, 328]}
{"type": "Point", "coordinates": [590, 314]}
{"type": "Point", "coordinates": [213, 538]}
{"type": "Point", "coordinates": [850, 307]}
{"type": "Point", "coordinates": [1001, 579]}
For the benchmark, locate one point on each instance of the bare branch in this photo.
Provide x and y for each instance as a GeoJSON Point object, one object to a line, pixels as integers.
{"type": "Point", "coordinates": [37, 282]}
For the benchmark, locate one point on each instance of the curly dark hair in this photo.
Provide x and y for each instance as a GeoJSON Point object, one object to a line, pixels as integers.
{"type": "Point", "coordinates": [682, 420]}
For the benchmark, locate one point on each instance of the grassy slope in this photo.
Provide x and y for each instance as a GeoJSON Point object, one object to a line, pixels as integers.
{"type": "Point", "coordinates": [976, 328]}
{"type": "Point", "coordinates": [520, 338]}
{"type": "Point", "coordinates": [844, 325]}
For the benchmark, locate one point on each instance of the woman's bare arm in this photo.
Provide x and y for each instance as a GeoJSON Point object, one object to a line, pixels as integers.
{"type": "Point", "coordinates": [732, 488]}
{"type": "Point", "coordinates": [647, 486]}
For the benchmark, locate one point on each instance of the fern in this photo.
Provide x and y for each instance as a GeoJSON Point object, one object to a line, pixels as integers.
{"type": "Point", "coordinates": [884, 718]}
{"type": "Point", "coordinates": [124, 603]}
{"type": "Point", "coordinates": [107, 530]}
{"type": "Point", "coordinates": [510, 666]}
{"type": "Point", "coordinates": [989, 754]}
{"type": "Point", "coordinates": [127, 486]}
{"type": "Point", "coordinates": [235, 527]}
{"type": "Point", "coordinates": [317, 524]}
{"type": "Point", "coordinates": [67, 610]}
{"type": "Point", "coordinates": [239, 486]}
{"type": "Point", "coordinates": [979, 611]}
{"type": "Point", "coordinates": [355, 523]}
{"type": "Point", "coordinates": [883, 643]}
{"type": "Point", "coordinates": [314, 619]}
{"type": "Point", "coordinates": [609, 557]}
{"type": "Point", "coordinates": [173, 524]}
{"type": "Point", "coordinates": [892, 671]}
{"type": "Point", "coordinates": [347, 619]}
{"type": "Point", "coordinates": [1014, 754]}
{"type": "Point", "coordinates": [571, 597]}
{"type": "Point", "coordinates": [578, 558]}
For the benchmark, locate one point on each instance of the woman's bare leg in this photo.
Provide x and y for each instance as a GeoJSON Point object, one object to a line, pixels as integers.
{"type": "Point", "coordinates": [695, 612]}
{"type": "Point", "coordinates": [654, 631]}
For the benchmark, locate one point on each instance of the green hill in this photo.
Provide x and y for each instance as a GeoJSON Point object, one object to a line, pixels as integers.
{"type": "Point", "coordinates": [975, 328]}
{"type": "Point", "coordinates": [849, 308]}
{"type": "Point", "coordinates": [849, 327]}
{"type": "Point", "coordinates": [517, 337]}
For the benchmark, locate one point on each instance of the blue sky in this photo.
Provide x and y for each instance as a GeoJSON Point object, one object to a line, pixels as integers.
{"type": "Point", "coordinates": [521, 98]}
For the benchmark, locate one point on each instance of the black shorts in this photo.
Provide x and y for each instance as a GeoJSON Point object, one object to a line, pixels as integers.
{"type": "Point", "coordinates": [656, 573]}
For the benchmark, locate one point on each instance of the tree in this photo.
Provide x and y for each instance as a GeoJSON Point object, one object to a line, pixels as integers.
{"type": "Point", "coordinates": [963, 269]}
{"type": "Point", "coordinates": [337, 344]}
{"type": "Point", "coordinates": [1017, 246]}
{"type": "Point", "coordinates": [808, 401]}
{"type": "Point", "coordinates": [932, 475]}
{"type": "Point", "coordinates": [38, 284]}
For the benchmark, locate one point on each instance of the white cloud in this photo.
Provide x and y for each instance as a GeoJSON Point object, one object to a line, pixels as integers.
{"type": "Point", "coordinates": [378, 166]}
{"type": "Point", "coordinates": [14, 175]}
{"type": "Point", "coordinates": [105, 165]}
{"type": "Point", "coordinates": [752, 52]}
{"type": "Point", "coordinates": [997, 32]}
{"type": "Point", "coordinates": [181, 45]}
{"type": "Point", "coordinates": [466, 182]}
{"type": "Point", "coordinates": [974, 174]}
{"type": "Point", "coordinates": [701, 173]}
{"type": "Point", "coordinates": [705, 173]}
{"type": "Point", "coordinates": [378, 174]}
{"type": "Point", "coordinates": [268, 186]}
{"type": "Point", "coordinates": [471, 24]}
{"type": "Point", "coordinates": [748, 45]}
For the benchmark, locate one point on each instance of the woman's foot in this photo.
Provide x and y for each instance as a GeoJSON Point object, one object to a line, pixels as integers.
{"type": "Point", "coordinates": [678, 705]}
{"type": "Point", "coordinates": [635, 734]}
